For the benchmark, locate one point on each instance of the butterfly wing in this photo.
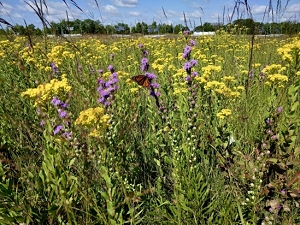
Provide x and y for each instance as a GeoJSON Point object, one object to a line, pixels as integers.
{"type": "Point", "coordinates": [142, 80]}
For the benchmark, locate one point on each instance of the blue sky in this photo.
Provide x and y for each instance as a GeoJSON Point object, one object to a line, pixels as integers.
{"type": "Point", "coordinates": [133, 11]}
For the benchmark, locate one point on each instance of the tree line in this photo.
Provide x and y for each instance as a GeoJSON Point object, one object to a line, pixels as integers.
{"type": "Point", "coordinates": [89, 26]}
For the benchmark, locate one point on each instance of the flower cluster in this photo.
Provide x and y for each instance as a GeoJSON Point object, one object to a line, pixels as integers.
{"type": "Point", "coordinates": [94, 118]}
{"type": "Point", "coordinates": [224, 113]}
{"type": "Point", "coordinates": [45, 92]}
{"type": "Point", "coordinates": [107, 89]}
{"type": "Point", "coordinates": [61, 128]}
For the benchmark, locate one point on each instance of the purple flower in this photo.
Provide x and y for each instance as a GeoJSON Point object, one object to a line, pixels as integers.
{"type": "Point", "coordinates": [192, 42]}
{"type": "Point", "coordinates": [188, 78]}
{"type": "Point", "coordinates": [105, 93]}
{"type": "Point", "coordinates": [274, 137]}
{"type": "Point", "coordinates": [186, 32]}
{"type": "Point", "coordinates": [111, 68]}
{"type": "Point", "coordinates": [186, 52]}
{"type": "Point", "coordinates": [155, 85]}
{"type": "Point", "coordinates": [100, 71]}
{"type": "Point", "coordinates": [112, 56]}
{"type": "Point", "coordinates": [57, 129]}
{"type": "Point", "coordinates": [145, 53]}
{"type": "Point", "coordinates": [54, 68]}
{"type": "Point", "coordinates": [55, 101]}
{"type": "Point", "coordinates": [194, 74]}
{"type": "Point", "coordinates": [194, 62]}
{"type": "Point", "coordinates": [141, 46]}
{"type": "Point", "coordinates": [279, 109]}
{"type": "Point", "coordinates": [42, 123]}
{"type": "Point", "coordinates": [144, 65]}
{"type": "Point", "coordinates": [144, 60]}
{"type": "Point", "coordinates": [187, 66]}
{"type": "Point", "coordinates": [63, 105]}
{"type": "Point", "coordinates": [62, 113]}
{"type": "Point", "coordinates": [67, 135]}
{"type": "Point", "coordinates": [150, 76]}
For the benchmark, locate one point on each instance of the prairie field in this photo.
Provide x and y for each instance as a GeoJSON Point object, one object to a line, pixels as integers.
{"type": "Point", "coordinates": [208, 133]}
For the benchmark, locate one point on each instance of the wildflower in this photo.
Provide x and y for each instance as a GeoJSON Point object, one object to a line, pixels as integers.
{"type": "Point", "coordinates": [111, 68]}
{"type": "Point", "coordinates": [62, 113]}
{"type": "Point", "coordinates": [192, 42]}
{"type": "Point", "coordinates": [274, 137]}
{"type": "Point", "coordinates": [57, 129]}
{"type": "Point", "coordinates": [55, 101]}
{"type": "Point", "coordinates": [54, 68]}
{"type": "Point", "coordinates": [187, 66]}
{"type": "Point", "coordinates": [144, 65]}
{"type": "Point", "coordinates": [279, 109]}
{"type": "Point", "coordinates": [186, 32]}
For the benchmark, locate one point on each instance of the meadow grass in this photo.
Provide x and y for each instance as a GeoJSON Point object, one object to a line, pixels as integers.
{"type": "Point", "coordinates": [213, 141]}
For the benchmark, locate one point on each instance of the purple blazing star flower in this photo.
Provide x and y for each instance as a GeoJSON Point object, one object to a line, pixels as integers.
{"type": "Point", "coordinates": [57, 129]}
{"type": "Point", "coordinates": [150, 76]}
{"type": "Point", "coordinates": [141, 46]}
{"type": "Point", "coordinates": [100, 71]}
{"type": "Point", "coordinates": [194, 62]}
{"type": "Point", "coordinates": [67, 135]}
{"type": "Point", "coordinates": [186, 32]}
{"type": "Point", "coordinates": [145, 53]}
{"type": "Point", "coordinates": [55, 101]}
{"type": "Point", "coordinates": [188, 78]}
{"type": "Point", "coordinates": [105, 93]}
{"type": "Point", "coordinates": [111, 68]}
{"type": "Point", "coordinates": [192, 42]}
{"type": "Point", "coordinates": [155, 85]}
{"type": "Point", "coordinates": [63, 105]}
{"type": "Point", "coordinates": [42, 123]}
{"type": "Point", "coordinates": [62, 113]}
{"type": "Point", "coordinates": [186, 52]}
{"type": "Point", "coordinates": [279, 109]}
{"type": "Point", "coordinates": [54, 68]}
{"type": "Point", "coordinates": [187, 66]}
{"type": "Point", "coordinates": [274, 137]}
{"type": "Point", "coordinates": [194, 74]}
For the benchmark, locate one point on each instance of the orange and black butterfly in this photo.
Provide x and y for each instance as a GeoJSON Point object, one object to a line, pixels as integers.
{"type": "Point", "coordinates": [142, 80]}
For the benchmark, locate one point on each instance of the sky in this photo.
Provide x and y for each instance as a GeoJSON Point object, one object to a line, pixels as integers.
{"type": "Point", "coordinates": [133, 11]}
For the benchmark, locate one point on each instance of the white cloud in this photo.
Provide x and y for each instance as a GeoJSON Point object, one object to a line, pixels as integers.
{"type": "Point", "coordinates": [125, 3]}
{"type": "Point", "coordinates": [196, 14]}
{"type": "Point", "coordinates": [110, 9]}
{"type": "Point", "coordinates": [258, 9]}
{"type": "Point", "coordinates": [135, 14]}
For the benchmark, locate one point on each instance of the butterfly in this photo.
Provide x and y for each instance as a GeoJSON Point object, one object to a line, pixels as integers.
{"type": "Point", "coordinates": [142, 80]}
